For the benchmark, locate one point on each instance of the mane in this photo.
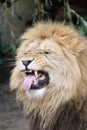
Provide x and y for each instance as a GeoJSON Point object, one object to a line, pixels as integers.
{"type": "Point", "coordinates": [65, 108]}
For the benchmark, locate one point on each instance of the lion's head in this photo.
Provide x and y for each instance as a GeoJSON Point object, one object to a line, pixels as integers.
{"type": "Point", "coordinates": [51, 68]}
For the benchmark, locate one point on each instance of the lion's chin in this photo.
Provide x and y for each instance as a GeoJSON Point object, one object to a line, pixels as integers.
{"type": "Point", "coordinates": [35, 83]}
{"type": "Point", "coordinates": [39, 94]}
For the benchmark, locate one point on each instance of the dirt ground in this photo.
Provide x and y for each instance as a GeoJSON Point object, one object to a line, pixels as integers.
{"type": "Point", "coordinates": [11, 113]}
{"type": "Point", "coordinates": [12, 116]}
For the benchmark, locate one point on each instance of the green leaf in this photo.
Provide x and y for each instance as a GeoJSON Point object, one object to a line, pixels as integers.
{"type": "Point", "coordinates": [83, 26]}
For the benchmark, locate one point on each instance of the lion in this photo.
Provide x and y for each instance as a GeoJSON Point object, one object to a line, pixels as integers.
{"type": "Point", "coordinates": [50, 77]}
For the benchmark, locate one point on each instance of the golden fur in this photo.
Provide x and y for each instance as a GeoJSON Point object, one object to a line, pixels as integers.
{"type": "Point", "coordinates": [66, 65]}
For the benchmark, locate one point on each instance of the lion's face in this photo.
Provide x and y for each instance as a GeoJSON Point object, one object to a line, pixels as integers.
{"type": "Point", "coordinates": [47, 63]}
{"type": "Point", "coordinates": [41, 66]}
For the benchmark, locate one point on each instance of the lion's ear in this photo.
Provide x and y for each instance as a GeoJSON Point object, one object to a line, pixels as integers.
{"type": "Point", "coordinates": [76, 48]}
{"type": "Point", "coordinates": [73, 42]}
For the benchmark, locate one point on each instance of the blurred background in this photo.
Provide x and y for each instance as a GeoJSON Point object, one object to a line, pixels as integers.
{"type": "Point", "coordinates": [15, 17]}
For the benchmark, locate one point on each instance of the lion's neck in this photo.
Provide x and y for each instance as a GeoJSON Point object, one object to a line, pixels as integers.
{"type": "Point", "coordinates": [66, 119]}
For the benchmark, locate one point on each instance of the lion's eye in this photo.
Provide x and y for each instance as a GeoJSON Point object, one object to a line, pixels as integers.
{"type": "Point", "coordinates": [46, 52]}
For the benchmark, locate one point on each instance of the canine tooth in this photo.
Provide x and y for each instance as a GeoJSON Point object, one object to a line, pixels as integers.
{"type": "Point", "coordinates": [35, 81]}
{"type": "Point", "coordinates": [36, 73]}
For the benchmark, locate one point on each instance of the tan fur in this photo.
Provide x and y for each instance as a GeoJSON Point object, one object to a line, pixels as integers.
{"type": "Point", "coordinates": [68, 61]}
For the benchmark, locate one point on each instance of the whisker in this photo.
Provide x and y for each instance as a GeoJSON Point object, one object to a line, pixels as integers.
{"type": "Point", "coordinates": [8, 62]}
{"type": "Point", "coordinates": [8, 59]}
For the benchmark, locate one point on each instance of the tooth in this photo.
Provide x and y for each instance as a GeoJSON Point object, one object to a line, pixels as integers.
{"type": "Point", "coordinates": [36, 73]}
{"type": "Point", "coordinates": [29, 71]}
{"type": "Point", "coordinates": [35, 81]}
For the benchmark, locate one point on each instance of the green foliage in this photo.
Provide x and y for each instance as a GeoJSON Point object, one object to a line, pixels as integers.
{"type": "Point", "coordinates": [83, 26]}
{"type": "Point", "coordinates": [45, 10]}
{"type": "Point", "coordinates": [81, 22]}
{"type": "Point", "coordinates": [7, 49]}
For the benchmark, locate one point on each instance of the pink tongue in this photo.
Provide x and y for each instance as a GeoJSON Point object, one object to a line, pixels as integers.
{"type": "Point", "coordinates": [28, 82]}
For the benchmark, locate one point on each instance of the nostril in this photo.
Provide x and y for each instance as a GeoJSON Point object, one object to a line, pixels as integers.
{"type": "Point", "coordinates": [26, 62]}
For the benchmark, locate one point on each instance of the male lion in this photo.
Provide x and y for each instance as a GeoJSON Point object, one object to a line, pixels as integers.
{"type": "Point", "coordinates": [51, 77]}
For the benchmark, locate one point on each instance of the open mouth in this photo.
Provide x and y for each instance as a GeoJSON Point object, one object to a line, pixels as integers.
{"type": "Point", "coordinates": [35, 80]}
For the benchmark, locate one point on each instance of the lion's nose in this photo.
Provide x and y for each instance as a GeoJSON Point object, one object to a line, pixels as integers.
{"type": "Point", "coordinates": [26, 62]}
